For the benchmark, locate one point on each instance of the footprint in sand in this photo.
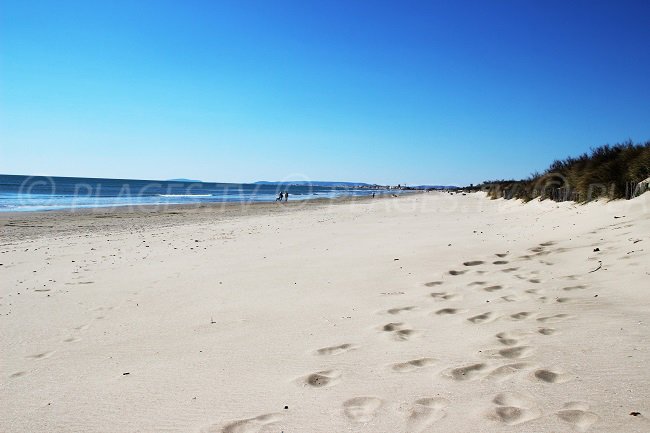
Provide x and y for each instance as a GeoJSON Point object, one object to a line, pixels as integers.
{"type": "Point", "coordinates": [522, 315]}
{"type": "Point", "coordinates": [448, 311]}
{"type": "Point", "coordinates": [404, 334]}
{"type": "Point", "coordinates": [322, 379]}
{"type": "Point", "coordinates": [513, 408]}
{"type": "Point", "coordinates": [509, 338]}
{"type": "Point", "coordinates": [466, 372]}
{"type": "Point", "coordinates": [433, 283]}
{"type": "Point", "coordinates": [571, 277]}
{"type": "Point", "coordinates": [554, 319]}
{"type": "Point", "coordinates": [501, 255]}
{"type": "Point", "coordinates": [361, 409]}
{"type": "Point", "coordinates": [399, 310]}
{"type": "Point", "coordinates": [481, 318]}
{"type": "Point", "coordinates": [571, 288]}
{"type": "Point", "coordinates": [456, 272]}
{"type": "Point", "coordinates": [473, 263]}
{"type": "Point", "coordinates": [566, 300]}
{"type": "Point", "coordinates": [250, 425]}
{"type": "Point", "coordinates": [335, 350]}
{"type": "Point", "coordinates": [42, 355]}
{"type": "Point", "coordinates": [17, 374]}
{"type": "Point", "coordinates": [578, 415]}
{"type": "Point", "coordinates": [443, 296]}
{"type": "Point", "coordinates": [500, 262]}
{"type": "Point", "coordinates": [425, 412]}
{"type": "Point", "coordinates": [535, 280]}
{"type": "Point", "coordinates": [508, 370]}
{"type": "Point", "coordinates": [412, 365]}
{"type": "Point", "coordinates": [509, 269]}
{"type": "Point", "coordinates": [517, 352]}
{"type": "Point", "coordinates": [547, 331]}
{"type": "Point", "coordinates": [72, 340]}
{"type": "Point", "coordinates": [551, 376]}
{"type": "Point", "coordinates": [477, 283]}
{"type": "Point", "coordinates": [393, 326]}
{"type": "Point", "coordinates": [492, 288]}
{"type": "Point", "coordinates": [399, 331]}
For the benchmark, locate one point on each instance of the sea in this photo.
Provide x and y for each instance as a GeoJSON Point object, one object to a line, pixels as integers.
{"type": "Point", "coordinates": [43, 193]}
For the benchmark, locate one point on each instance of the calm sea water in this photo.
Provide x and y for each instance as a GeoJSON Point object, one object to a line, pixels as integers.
{"type": "Point", "coordinates": [38, 193]}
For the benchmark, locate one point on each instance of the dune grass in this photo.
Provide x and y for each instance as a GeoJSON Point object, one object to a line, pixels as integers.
{"type": "Point", "coordinates": [609, 171]}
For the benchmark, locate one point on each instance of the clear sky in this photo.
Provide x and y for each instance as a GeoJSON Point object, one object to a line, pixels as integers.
{"type": "Point", "coordinates": [445, 92]}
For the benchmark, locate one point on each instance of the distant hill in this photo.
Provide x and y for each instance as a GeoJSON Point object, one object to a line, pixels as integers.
{"type": "Point", "coordinates": [435, 187]}
{"type": "Point", "coordinates": [351, 184]}
{"type": "Point", "coordinates": [184, 180]}
{"type": "Point", "coordinates": [314, 183]}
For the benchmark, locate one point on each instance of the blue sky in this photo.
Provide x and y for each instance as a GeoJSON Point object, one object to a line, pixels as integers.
{"type": "Point", "coordinates": [389, 92]}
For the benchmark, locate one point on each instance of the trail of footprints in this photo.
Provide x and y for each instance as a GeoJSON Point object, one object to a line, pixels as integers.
{"type": "Point", "coordinates": [515, 353]}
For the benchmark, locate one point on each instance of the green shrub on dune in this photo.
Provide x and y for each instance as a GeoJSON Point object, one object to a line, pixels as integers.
{"type": "Point", "coordinates": [607, 171]}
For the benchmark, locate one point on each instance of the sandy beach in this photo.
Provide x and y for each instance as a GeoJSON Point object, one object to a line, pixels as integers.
{"type": "Point", "coordinates": [424, 313]}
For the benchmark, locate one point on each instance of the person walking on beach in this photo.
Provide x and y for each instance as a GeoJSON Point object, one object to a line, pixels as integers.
{"type": "Point", "coordinates": [286, 196]}
{"type": "Point", "coordinates": [279, 197]}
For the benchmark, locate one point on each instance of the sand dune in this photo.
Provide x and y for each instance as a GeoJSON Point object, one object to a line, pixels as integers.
{"type": "Point", "coordinates": [424, 313]}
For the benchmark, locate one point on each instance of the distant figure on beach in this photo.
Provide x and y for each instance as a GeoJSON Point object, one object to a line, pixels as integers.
{"type": "Point", "coordinates": [286, 196]}
{"type": "Point", "coordinates": [373, 195]}
{"type": "Point", "coordinates": [279, 197]}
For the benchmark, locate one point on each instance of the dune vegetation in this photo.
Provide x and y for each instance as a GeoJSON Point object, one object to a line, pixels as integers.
{"type": "Point", "coordinates": [609, 171]}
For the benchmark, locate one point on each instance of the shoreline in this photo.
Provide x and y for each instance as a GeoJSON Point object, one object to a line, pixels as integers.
{"type": "Point", "coordinates": [68, 220]}
{"type": "Point", "coordinates": [198, 204]}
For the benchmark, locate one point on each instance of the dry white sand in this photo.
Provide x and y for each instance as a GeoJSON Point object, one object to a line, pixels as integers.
{"type": "Point", "coordinates": [427, 313]}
